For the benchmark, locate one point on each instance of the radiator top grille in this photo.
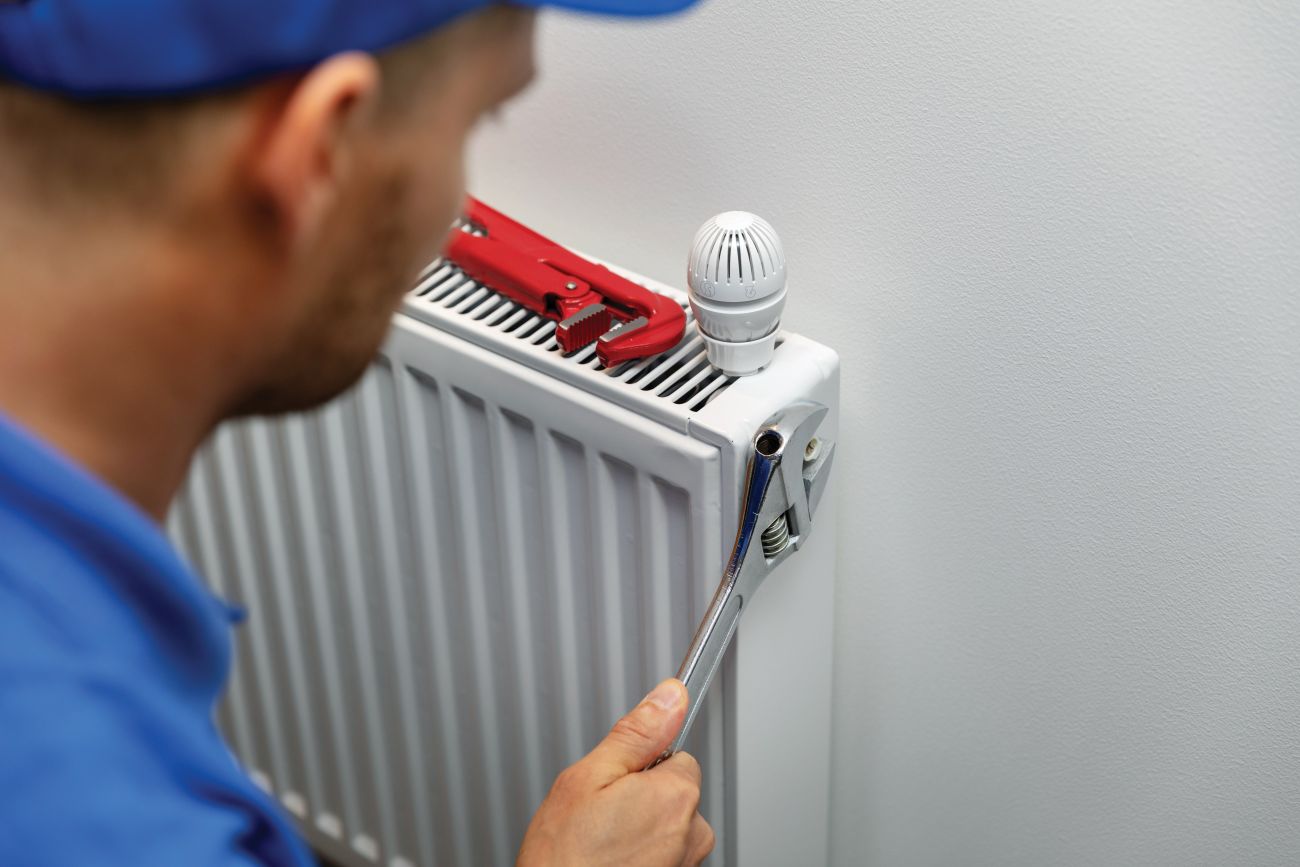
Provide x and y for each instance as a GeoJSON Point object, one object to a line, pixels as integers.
{"type": "Point", "coordinates": [681, 380]}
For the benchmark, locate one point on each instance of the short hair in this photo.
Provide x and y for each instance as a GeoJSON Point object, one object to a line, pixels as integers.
{"type": "Point", "coordinates": [65, 150]}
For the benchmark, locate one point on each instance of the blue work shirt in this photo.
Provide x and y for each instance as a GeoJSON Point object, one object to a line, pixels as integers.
{"type": "Point", "coordinates": [112, 655]}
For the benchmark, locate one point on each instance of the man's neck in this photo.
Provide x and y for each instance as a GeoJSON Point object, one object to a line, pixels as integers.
{"type": "Point", "coordinates": [144, 464]}
{"type": "Point", "coordinates": [116, 382]}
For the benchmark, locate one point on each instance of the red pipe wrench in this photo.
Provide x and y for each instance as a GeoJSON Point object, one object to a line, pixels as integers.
{"type": "Point", "coordinates": [590, 302]}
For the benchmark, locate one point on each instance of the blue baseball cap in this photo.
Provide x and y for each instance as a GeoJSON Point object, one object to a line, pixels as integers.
{"type": "Point", "coordinates": [141, 48]}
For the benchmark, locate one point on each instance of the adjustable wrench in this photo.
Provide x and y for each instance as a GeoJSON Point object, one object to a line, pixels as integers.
{"type": "Point", "coordinates": [787, 475]}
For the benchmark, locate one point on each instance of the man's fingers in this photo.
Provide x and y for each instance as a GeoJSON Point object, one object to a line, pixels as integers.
{"type": "Point", "coordinates": [641, 736]}
{"type": "Point", "coordinates": [683, 765]}
{"type": "Point", "coordinates": [699, 842]}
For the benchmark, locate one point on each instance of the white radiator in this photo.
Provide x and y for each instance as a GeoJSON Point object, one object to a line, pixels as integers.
{"type": "Point", "coordinates": [463, 572]}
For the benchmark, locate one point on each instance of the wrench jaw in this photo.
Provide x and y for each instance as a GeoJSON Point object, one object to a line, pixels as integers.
{"type": "Point", "coordinates": [783, 485]}
{"type": "Point", "coordinates": [795, 494]}
{"type": "Point", "coordinates": [798, 425]}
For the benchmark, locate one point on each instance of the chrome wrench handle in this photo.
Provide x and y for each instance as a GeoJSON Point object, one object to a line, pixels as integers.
{"type": "Point", "coordinates": [715, 631]}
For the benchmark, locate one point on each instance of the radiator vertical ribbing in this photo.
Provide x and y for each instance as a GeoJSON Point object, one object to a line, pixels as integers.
{"type": "Point", "coordinates": [327, 688]}
{"type": "Point", "coordinates": [454, 589]}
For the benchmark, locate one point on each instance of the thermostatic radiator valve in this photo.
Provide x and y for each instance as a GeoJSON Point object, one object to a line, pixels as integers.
{"type": "Point", "coordinates": [736, 275]}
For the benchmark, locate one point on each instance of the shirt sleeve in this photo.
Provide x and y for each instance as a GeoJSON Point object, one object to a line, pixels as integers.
{"type": "Point", "coordinates": [90, 776]}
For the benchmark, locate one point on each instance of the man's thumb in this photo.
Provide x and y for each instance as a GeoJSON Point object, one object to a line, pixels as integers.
{"type": "Point", "coordinates": [640, 737]}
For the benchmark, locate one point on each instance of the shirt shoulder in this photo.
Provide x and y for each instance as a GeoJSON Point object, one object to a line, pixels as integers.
{"type": "Point", "coordinates": [112, 656]}
{"type": "Point", "coordinates": [93, 771]}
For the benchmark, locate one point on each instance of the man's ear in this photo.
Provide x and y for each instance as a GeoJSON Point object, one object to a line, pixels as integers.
{"type": "Point", "coordinates": [303, 150]}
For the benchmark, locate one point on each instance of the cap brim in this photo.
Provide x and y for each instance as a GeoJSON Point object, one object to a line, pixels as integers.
{"type": "Point", "coordinates": [631, 8]}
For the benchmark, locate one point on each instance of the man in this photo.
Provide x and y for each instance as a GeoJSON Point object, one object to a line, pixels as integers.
{"type": "Point", "coordinates": [209, 209]}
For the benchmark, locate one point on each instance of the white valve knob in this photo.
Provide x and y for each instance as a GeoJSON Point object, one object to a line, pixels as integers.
{"type": "Point", "coordinates": [736, 276]}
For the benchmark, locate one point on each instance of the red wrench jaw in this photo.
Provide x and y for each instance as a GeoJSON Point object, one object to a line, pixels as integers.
{"type": "Point", "coordinates": [583, 327]}
{"type": "Point", "coordinates": [656, 334]}
{"type": "Point", "coordinates": [639, 322]}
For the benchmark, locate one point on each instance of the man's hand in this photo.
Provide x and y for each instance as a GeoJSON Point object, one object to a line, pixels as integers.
{"type": "Point", "coordinates": [602, 811]}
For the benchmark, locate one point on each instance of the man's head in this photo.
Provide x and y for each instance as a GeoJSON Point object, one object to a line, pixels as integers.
{"type": "Point", "coordinates": [278, 221]}
{"type": "Point", "coordinates": [212, 207]}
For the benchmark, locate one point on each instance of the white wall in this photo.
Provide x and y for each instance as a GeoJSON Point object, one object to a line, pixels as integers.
{"type": "Point", "coordinates": [1057, 245]}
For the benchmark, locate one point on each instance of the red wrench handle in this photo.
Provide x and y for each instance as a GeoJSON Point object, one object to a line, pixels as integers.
{"type": "Point", "coordinates": [528, 281]}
